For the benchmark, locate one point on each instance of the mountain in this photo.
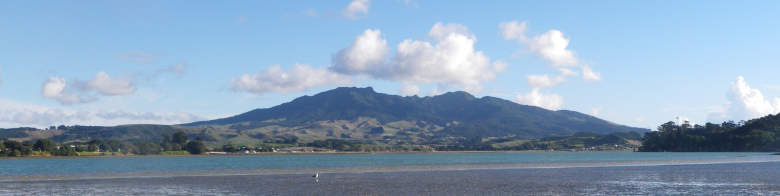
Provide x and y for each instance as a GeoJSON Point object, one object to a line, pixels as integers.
{"type": "Point", "coordinates": [349, 112]}
{"type": "Point", "coordinates": [362, 117]}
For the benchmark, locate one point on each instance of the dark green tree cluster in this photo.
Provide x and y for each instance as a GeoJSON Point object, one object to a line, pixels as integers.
{"type": "Point", "coordinates": [13, 148]}
{"type": "Point", "coordinates": [754, 135]}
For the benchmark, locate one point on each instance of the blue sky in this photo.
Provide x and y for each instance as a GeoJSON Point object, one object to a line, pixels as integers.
{"type": "Point", "coordinates": [630, 62]}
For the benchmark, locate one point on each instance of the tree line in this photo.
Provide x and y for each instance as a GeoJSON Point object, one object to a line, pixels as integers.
{"type": "Point", "coordinates": [754, 135]}
{"type": "Point", "coordinates": [41, 147]}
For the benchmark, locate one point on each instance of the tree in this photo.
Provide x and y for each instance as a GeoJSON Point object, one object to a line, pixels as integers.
{"type": "Point", "coordinates": [229, 148]}
{"type": "Point", "coordinates": [179, 138]}
{"type": "Point", "coordinates": [92, 147]}
{"type": "Point", "coordinates": [148, 148]}
{"type": "Point", "coordinates": [196, 147]}
{"type": "Point", "coordinates": [65, 150]}
{"type": "Point", "coordinates": [45, 145]}
{"type": "Point", "coordinates": [2, 148]}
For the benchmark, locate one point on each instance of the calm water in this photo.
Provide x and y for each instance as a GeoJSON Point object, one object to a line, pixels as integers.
{"type": "Point", "coordinates": [556, 173]}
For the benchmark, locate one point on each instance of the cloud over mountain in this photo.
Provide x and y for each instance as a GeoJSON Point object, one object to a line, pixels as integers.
{"type": "Point", "coordinates": [365, 55]}
{"type": "Point", "coordinates": [451, 61]}
{"type": "Point", "coordinates": [19, 114]}
{"type": "Point", "coordinates": [75, 92]}
{"type": "Point", "coordinates": [298, 78]}
{"type": "Point", "coordinates": [551, 46]}
{"type": "Point", "coordinates": [105, 85]}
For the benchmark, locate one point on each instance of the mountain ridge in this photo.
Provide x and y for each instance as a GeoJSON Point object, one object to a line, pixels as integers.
{"type": "Point", "coordinates": [484, 117]}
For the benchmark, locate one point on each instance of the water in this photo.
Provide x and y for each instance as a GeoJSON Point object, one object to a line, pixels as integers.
{"type": "Point", "coordinates": [549, 173]}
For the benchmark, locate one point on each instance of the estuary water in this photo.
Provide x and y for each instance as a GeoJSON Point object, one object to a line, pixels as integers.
{"type": "Point", "coordinates": [483, 173]}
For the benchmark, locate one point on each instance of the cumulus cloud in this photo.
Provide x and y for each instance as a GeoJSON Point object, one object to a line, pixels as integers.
{"type": "Point", "coordinates": [18, 114]}
{"type": "Point", "coordinates": [104, 84]}
{"type": "Point", "coordinates": [138, 57]}
{"type": "Point", "coordinates": [589, 75]}
{"type": "Point", "coordinates": [58, 89]}
{"type": "Point", "coordinates": [299, 78]}
{"type": "Point", "coordinates": [535, 98]}
{"type": "Point", "coordinates": [544, 81]}
{"type": "Point", "coordinates": [441, 31]}
{"type": "Point", "coordinates": [553, 46]}
{"type": "Point", "coordinates": [450, 62]}
{"type": "Point", "coordinates": [366, 54]}
{"type": "Point", "coordinates": [513, 30]}
{"type": "Point", "coordinates": [744, 103]}
{"type": "Point", "coordinates": [356, 8]}
{"type": "Point", "coordinates": [68, 93]}
{"type": "Point", "coordinates": [409, 90]}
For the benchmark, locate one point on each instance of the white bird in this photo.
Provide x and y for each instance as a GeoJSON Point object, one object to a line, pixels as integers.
{"type": "Point", "coordinates": [316, 177]}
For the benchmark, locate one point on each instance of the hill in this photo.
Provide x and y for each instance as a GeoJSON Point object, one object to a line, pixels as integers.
{"type": "Point", "coordinates": [360, 116]}
{"type": "Point", "coordinates": [362, 113]}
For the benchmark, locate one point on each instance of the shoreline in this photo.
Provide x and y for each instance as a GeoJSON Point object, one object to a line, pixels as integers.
{"type": "Point", "coordinates": [334, 153]}
{"type": "Point", "coordinates": [412, 168]}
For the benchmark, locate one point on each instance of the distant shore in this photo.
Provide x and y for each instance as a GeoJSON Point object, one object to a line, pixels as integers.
{"type": "Point", "coordinates": [117, 154]}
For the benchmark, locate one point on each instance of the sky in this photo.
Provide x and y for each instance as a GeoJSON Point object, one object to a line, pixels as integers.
{"type": "Point", "coordinates": [638, 63]}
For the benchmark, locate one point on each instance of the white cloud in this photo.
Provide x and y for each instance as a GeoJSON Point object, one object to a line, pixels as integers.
{"type": "Point", "coordinates": [299, 78]}
{"type": "Point", "coordinates": [104, 84]}
{"type": "Point", "coordinates": [356, 8]}
{"type": "Point", "coordinates": [441, 31]}
{"type": "Point", "coordinates": [745, 103]}
{"type": "Point", "coordinates": [76, 92]}
{"type": "Point", "coordinates": [595, 111]}
{"type": "Point", "coordinates": [409, 90]}
{"type": "Point", "coordinates": [567, 72]}
{"type": "Point", "coordinates": [139, 57]}
{"type": "Point", "coordinates": [535, 98]}
{"type": "Point", "coordinates": [589, 75]}
{"type": "Point", "coordinates": [553, 47]}
{"type": "Point", "coordinates": [366, 54]}
{"type": "Point", "coordinates": [450, 62]}
{"type": "Point", "coordinates": [513, 30]}
{"type": "Point", "coordinates": [57, 88]}
{"type": "Point", "coordinates": [544, 81]}
{"type": "Point", "coordinates": [18, 114]}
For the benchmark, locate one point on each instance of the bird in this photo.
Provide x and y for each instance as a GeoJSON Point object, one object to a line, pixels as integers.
{"type": "Point", "coordinates": [316, 177]}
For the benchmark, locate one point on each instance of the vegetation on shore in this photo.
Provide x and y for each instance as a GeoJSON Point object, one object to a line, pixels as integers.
{"type": "Point", "coordinates": [177, 144]}
{"type": "Point", "coordinates": [759, 134]}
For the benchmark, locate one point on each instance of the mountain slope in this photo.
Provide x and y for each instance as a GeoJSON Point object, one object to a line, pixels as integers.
{"type": "Point", "coordinates": [454, 114]}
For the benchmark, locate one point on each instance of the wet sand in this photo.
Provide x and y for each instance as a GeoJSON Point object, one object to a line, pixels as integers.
{"type": "Point", "coordinates": [692, 179]}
